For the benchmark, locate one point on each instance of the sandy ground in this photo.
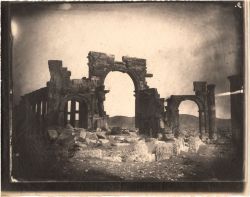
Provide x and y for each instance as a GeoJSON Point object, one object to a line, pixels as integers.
{"type": "Point", "coordinates": [212, 163]}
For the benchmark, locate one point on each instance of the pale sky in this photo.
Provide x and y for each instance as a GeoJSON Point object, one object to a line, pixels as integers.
{"type": "Point", "coordinates": [182, 42]}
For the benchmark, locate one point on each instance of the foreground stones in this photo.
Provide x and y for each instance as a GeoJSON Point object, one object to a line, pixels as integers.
{"type": "Point", "coordinates": [126, 146]}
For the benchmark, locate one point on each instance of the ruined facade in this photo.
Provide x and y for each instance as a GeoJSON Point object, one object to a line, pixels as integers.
{"type": "Point", "coordinates": [204, 97]}
{"type": "Point", "coordinates": [80, 102]}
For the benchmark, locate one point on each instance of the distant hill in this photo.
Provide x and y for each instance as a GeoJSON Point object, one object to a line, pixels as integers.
{"type": "Point", "coordinates": [122, 121]}
{"type": "Point", "coordinates": [190, 121]}
{"type": "Point", "coordinates": [186, 121]}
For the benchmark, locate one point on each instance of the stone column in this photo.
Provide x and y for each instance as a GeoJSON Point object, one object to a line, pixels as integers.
{"type": "Point", "coordinates": [237, 121]}
{"type": "Point", "coordinates": [237, 108]}
{"type": "Point", "coordinates": [175, 123]}
{"type": "Point", "coordinates": [211, 110]}
{"type": "Point", "coordinates": [72, 113]}
{"type": "Point", "coordinates": [202, 123]}
{"type": "Point", "coordinates": [137, 110]}
{"type": "Point", "coordinates": [206, 111]}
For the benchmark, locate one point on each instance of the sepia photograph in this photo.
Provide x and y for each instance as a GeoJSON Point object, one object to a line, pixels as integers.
{"type": "Point", "coordinates": [120, 94]}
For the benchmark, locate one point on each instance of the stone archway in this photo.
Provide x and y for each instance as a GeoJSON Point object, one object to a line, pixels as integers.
{"type": "Point", "coordinates": [173, 112]}
{"type": "Point", "coordinates": [100, 64]}
{"type": "Point", "coordinates": [75, 109]}
{"type": "Point", "coordinates": [204, 98]}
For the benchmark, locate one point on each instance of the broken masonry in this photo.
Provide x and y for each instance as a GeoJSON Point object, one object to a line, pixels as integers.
{"type": "Point", "coordinates": [80, 102]}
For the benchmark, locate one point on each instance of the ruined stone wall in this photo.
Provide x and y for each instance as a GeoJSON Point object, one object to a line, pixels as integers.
{"type": "Point", "coordinates": [33, 107]}
{"type": "Point", "coordinates": [152, 112]}
{"type": "Point", "coordinates": [90, 93]}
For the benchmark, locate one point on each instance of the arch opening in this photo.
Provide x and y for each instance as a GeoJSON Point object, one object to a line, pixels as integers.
{"type": "Point", "coordinates": [189, 116]}
{"type": "Point", "coordinates": [120, 101]}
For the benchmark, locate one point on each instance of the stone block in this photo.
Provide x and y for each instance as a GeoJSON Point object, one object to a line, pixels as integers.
{"type": "Point", "coordinates": [126, 132]}
{"type": "Point", "coordinates": [104, 141]}
{"type": "Point", "coordinates": [159, 136]}
{"type": "Point", "coordinates": [98, 129]}
{"type": "Point", "coordinates": [83, 133]}
{"type": "Point", "coordinates": [53, 134]}
{"type": "Point", "coordinates": [140, 153]}
{"type": "Point", "coordinates": [113, 158]}
{"type": "Point", "coordinates": [120, 138]}
{"type": "Point", "coordinates": [82, 145]}
{"type": "Point", "coordinates": [168, 136]}
{"type": "Point", "coordinates": [101, 134]}
{"type": "Point", "coordinates": [69, 126]}
{"type": "Point", "coordinates": [90, 142]}
{"type": "Point", "coordinates": [179, 146]}
{"type": "Point", "coordinates": [91, 136]}
{"type": "Point", "coordinates": [194, 144]}
{"type": "Point", "coordinates": [164, 151]}
{"type": "Point", "coordinates": [65, 138]}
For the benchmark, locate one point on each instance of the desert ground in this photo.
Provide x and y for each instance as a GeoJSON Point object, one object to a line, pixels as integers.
{"type": "Point", "coordinates": [122, 154]}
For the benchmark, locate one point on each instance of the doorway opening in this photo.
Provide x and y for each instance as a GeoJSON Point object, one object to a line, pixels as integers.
{"type": "Point", "coordinates": [189, 116]}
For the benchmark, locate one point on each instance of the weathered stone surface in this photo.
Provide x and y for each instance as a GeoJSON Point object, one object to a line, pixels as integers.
{"type": "Point", "coordinates": [131, 139]}
{"type": "Point", "coordinates": [133, 134]}
{"type": "Point", "coordinates": [65, 138]}
{"type": "Point", "coordinates": [69, 126]}
{"type": "Point", "coordinates": [159, 136]}
{"type": "Point", "coordinates": [91, 136]}
{"type": "Point", "coordinates": [120, 144]}
{"type": "Point", "coordinates": [194, 144]}
{"type": "Point", "coordinates": [168, 137]}
{"type": "Point", "coordinates": [101, 134]}
{"type": "Point", "coordinates": [104, 141]}
{"type": "Point", "coordinates": [164, 151]}
{"type": "Point", "coordinates": [91, 142]}
{"type": "Point", "coordinates": [83, 133]}
{"type": "Point", "coordinates": [120, 138]}
{"type": "Point", "coordinates": [98, 129]}
{"type": "Point", "coordinates": [167, 130]}
{"type": "Point", "coordinates": [63, 93]}
{"type": "Point", "coordinates": [126, 132]}
{"type": "Point", "coordinates": [53, 134]}
{"type": "Point", "coordinates": [82, 145]}
{"type": "Point", "coordinates": [180, 146]}
{"type": "Point", "coordinates": [140, 153]}
{"type": "Point", "coordinates": [89, 153]}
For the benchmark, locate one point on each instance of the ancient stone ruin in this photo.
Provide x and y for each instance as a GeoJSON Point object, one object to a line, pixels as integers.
{"type": "Point", "coordinates": [204, 98]}
{"type": "Point", "coordinates": [80, 102]}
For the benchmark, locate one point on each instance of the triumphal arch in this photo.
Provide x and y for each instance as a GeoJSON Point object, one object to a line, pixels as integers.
{"type": "Point", "coordinates": [80, 102]}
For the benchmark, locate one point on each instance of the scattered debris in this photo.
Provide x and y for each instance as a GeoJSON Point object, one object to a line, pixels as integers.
{"type": "Point", "coordinates": [194, 144]}
{"type": "Point", "coordinates": [164, 150]}
{"type": "Point", "coordinates": [52, 134]}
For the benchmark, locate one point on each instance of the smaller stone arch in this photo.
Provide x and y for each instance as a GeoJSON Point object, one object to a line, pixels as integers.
{"type": "Point", "coordinates": [173, 110]}
{"type": "Point", "coordinates": [204, 98]}
{"type": "Point", "coordinates": [79, 112]}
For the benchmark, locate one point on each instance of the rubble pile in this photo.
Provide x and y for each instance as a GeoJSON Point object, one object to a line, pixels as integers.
{"type": "Point", "coordinates": [119, 145]}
